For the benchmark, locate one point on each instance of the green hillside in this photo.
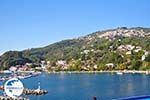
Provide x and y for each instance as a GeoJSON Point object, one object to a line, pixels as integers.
{"type": "Point", "coordinates": [120, 48]}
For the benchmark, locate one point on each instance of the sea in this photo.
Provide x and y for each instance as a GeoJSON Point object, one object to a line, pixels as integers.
{"type": "Point", "coordinates": [85, 86]}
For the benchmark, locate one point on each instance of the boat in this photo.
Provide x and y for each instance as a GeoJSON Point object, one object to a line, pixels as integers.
{"type": "Point", "coordinates": [7, 72]}
{"type": "Point", "coordinates": [147, 72]}
{"type": "Point", "coordinates": [119, 73]}
{"type": "Point", "coordinates": [24, 76]}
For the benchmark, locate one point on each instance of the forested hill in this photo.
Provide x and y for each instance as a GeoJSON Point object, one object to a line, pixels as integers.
{"type": "Point", "coordinates": [126, 48]}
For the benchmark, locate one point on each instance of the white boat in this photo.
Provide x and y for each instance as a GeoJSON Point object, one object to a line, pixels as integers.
{"type": "Point", "coordinates": [119, 73]}
{"type": "Point", "coordinates": [7, 72]}
{"type": "Point", "coordinates": [24, 76]}
{"type": "Point", "coordinates": [147, 72]}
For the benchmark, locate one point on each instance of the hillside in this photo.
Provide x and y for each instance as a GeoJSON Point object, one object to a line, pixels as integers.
{"type": "Point", "coordinates": [120, 48]}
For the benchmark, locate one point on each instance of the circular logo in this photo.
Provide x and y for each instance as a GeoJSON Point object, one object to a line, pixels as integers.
{"type": "Point", "coordinates": [13, 88]}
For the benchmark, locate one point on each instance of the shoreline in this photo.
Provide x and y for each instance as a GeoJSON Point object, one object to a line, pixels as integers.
{"type": "Point", "coordinates": [113, 71]}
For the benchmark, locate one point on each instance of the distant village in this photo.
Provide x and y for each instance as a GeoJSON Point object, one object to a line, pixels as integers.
{"type": "Point", "coordinates": [62, 64]}
{"type": "Point", "coordinates": [123, 33]}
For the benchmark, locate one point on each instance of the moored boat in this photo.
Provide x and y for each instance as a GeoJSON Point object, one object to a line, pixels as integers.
{"type": "Point", "coordinates": [119, 73]}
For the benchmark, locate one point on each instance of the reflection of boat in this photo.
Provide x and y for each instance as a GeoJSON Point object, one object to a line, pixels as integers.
{"type": "Point", "coordinates": [119, 73]}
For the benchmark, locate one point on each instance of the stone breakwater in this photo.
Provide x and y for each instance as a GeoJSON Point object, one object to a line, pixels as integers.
{"type": "Point", "coordinates": [9, 98]}
{"type": "Point", "coordinates": [31, 91]}
{"type": "Point", "coordinates": [34, 92]}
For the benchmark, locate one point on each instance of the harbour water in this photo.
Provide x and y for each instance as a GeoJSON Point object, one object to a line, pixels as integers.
{"type": "Point", "coordinates": [105, 86]}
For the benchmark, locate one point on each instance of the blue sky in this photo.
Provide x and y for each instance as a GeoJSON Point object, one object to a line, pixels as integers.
{"type": "Point", "coordinates": [36, 23]}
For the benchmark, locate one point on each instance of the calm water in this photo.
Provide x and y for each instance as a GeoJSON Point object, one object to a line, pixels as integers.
{"type": "Point", "coordinates": [105, 86]}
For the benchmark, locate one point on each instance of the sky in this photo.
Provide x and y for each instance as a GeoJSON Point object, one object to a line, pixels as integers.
{"type": "Point", "coordinates": [26, 24]}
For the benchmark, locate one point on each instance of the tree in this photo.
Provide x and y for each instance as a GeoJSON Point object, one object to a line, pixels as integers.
{"type": "Point", "coordinates": [136, 64]}
{"type": "Point", "coordinates": [147, 58]}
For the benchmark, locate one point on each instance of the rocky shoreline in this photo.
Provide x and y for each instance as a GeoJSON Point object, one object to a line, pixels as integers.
{"type": "Point", "coordinates": [113, 71]}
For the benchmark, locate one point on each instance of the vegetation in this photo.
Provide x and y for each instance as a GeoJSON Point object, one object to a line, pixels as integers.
{"type": "Point", "coordinates": [88, 51]}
